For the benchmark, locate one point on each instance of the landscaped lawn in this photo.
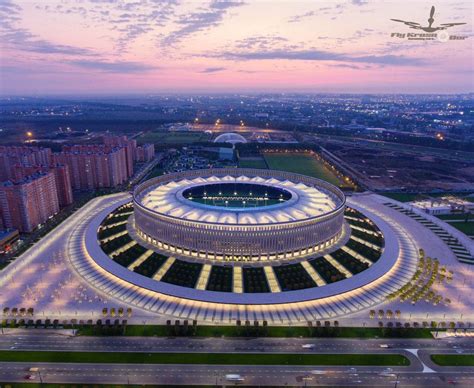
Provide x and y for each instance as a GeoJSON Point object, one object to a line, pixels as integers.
{"type": "Point", "coordinates": [252, 163]}
{"type": "Point", "coordinates": [204, 358]}
{"type": "Point", "coordinates": [156, 171]}
{"type": "Point", "coordinates": [457, 216]}
{"type": "Point", "coordinates": [465, 227]}
{"type": "Point", "coordinates": [275, 331]}
{"type": "Point", "coordinates": [453, 359]}
{"type": "Point", "coordinates": [302, 164]}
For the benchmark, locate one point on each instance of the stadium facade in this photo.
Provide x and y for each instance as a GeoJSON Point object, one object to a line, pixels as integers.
{"type": "Point", "coordinates": [239, 214]}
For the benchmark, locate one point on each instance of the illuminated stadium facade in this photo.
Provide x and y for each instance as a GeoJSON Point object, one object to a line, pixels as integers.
{"type": "Point", "coordinates": [239, 214]}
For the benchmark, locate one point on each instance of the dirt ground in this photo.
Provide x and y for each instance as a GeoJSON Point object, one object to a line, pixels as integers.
{"type": "Point", "coordinates": [383, 169]}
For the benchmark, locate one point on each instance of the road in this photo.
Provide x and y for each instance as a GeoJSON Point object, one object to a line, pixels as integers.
{"type": "Point", "coordinates": [421, 372]}
{"type": "Point", "coordinates": [209, 375]}
{"type": "Point", "coordinates": [30, 340]}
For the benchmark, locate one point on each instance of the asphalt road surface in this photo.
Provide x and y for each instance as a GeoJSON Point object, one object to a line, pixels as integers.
{"type": "Point", "coordinates": [421, 373]}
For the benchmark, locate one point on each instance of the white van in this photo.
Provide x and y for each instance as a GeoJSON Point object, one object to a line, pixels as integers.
{"type": "Point", "coordinates": [233, 377]}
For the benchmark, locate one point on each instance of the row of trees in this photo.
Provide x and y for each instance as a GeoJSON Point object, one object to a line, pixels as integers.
{"type": "Point", "coordinates": [113, 312]}
{"type": "Point", "coordinates": [21, 312]}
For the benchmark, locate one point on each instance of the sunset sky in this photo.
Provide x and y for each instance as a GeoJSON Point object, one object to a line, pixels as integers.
{"type": "Point", "coordinates": [106, 47]}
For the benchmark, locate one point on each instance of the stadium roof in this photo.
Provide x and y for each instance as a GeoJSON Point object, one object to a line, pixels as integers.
{"type": "Point", "coordinates": [305, 202]}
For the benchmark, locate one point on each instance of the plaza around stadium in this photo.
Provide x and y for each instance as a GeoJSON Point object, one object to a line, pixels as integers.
{"type": "Point", "coordinates": [227, 245]}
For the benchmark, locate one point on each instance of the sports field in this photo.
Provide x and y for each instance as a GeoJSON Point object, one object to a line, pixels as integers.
{"type": "Point", "coordinates": [303, 164]}
{"type": "Point", "coordinates": [252, 163]}
{"type": "Point", "coordinates": [160, 137]}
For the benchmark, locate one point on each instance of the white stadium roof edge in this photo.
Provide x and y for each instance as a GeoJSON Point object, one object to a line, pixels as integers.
{"type": "Point", "coordinates": [306, 201]}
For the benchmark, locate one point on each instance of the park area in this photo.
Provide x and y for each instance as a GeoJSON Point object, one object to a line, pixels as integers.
{"type": "Point", "coordinates": [305, 164]}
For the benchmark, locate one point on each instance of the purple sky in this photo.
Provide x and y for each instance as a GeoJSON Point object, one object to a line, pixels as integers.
{"type": "Point", "coordinates": [106, 46]}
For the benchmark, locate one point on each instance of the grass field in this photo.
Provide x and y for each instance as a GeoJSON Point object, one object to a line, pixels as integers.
{"type": "Point", "coordinates": [465, 227]}
{"type": "Point", "coordinates": [302, 164]}
{"type": "Point", "coordinates": [252, 163]}
{"type": "Point", "coordinates": [448, 217]}
{"type": "Point", "coordinates": [204, 358]}
{"type": "Point", "coordinates": [453, 359]}
{"type": "Point", "coordinates": [158, 137]}
{"type": "Point", "coordinates": [275, 332]}
{"type": "Point", "coordinates": [157, 171]}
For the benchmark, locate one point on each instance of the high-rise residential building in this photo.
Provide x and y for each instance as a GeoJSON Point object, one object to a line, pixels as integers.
{"type": "Point", "coordinates": [145, 153]}
{"type": "Point", "coordinates": [63, 183]}
{"type": "Point", "coordinates": [24, 156]}
{"type": "Point", "coordinates": [61, 176]}
{"type": "Point", "coordinates": [27, 203]}
{"type": "Point", "coordinates": [94, 166]}
{"type": "Point", "coordinates": [18, 163]}
{"type": "Point", "coordinates": [130, 146]}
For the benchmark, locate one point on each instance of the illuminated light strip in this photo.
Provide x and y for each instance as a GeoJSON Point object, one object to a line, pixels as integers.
{"type": "Point", "coordinates": [314, 275]}
{"type": "Point", "coordinates": [204, 277]}
{"type": "Point", "coordinates": [113, 237]}
{"type": "Point", "coordinates": [237, 285]}
{"type": "Point", "coordinates": [354, 219]}
{"type": "Point", "coordinates": [140, 260]}
{"type": "Point", "coordinates": [121, 214]}
{"type": "Point", "coordinates": [338, 266]}
{"type": "Point", "coordinates": [356, 255]}
{"type": "Point", "coordinates": [371, 232]}
{"type": "Point", "coordinates": [271, 279]}
{"type": "Point", "coordinates": [123, 249]}
{"type": "Point", "coordinates": [113, 225]}
{"type": "Point", "coordinates": [164, 268]}
{"type": "Point", "coordinates": [366, 243]}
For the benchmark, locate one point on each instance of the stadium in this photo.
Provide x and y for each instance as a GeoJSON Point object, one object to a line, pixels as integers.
{"type": "Point", "coordinates": [239, 215]}
{"type": "Point", "coordinates": [239, 237]}
{"type": "Point", "coordinates": [227, 245]}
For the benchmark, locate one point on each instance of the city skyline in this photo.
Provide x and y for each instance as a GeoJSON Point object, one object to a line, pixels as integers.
{"type": "Point", "coordinates": [105, 47]}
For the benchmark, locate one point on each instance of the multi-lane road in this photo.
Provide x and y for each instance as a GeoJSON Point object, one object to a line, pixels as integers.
{"type": "Point", "coordinates": [421, 372]}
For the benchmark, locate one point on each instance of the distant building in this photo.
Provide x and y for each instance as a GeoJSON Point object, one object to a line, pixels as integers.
{"type": "Point", "coordinates": [30, 202]}
{"type": "Point", "coordinates": [24, 156]}
{"type": "Point", "coordinates": [94, 166]}
{"type": "Point", "coordinates": [18, 163]}
{"type": "Point", "coordinates": [145, 153]}
{"type": "Point", "coordinates": [61, 177]}
{"type": "Point", "coordinates": [63, 184]}
{"type": "Point", "coordinates": [444, 205]}
{"type": "Point", "coordinates": [226, 153]}
{"type": "Point", "coordinates": [129, 145]}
